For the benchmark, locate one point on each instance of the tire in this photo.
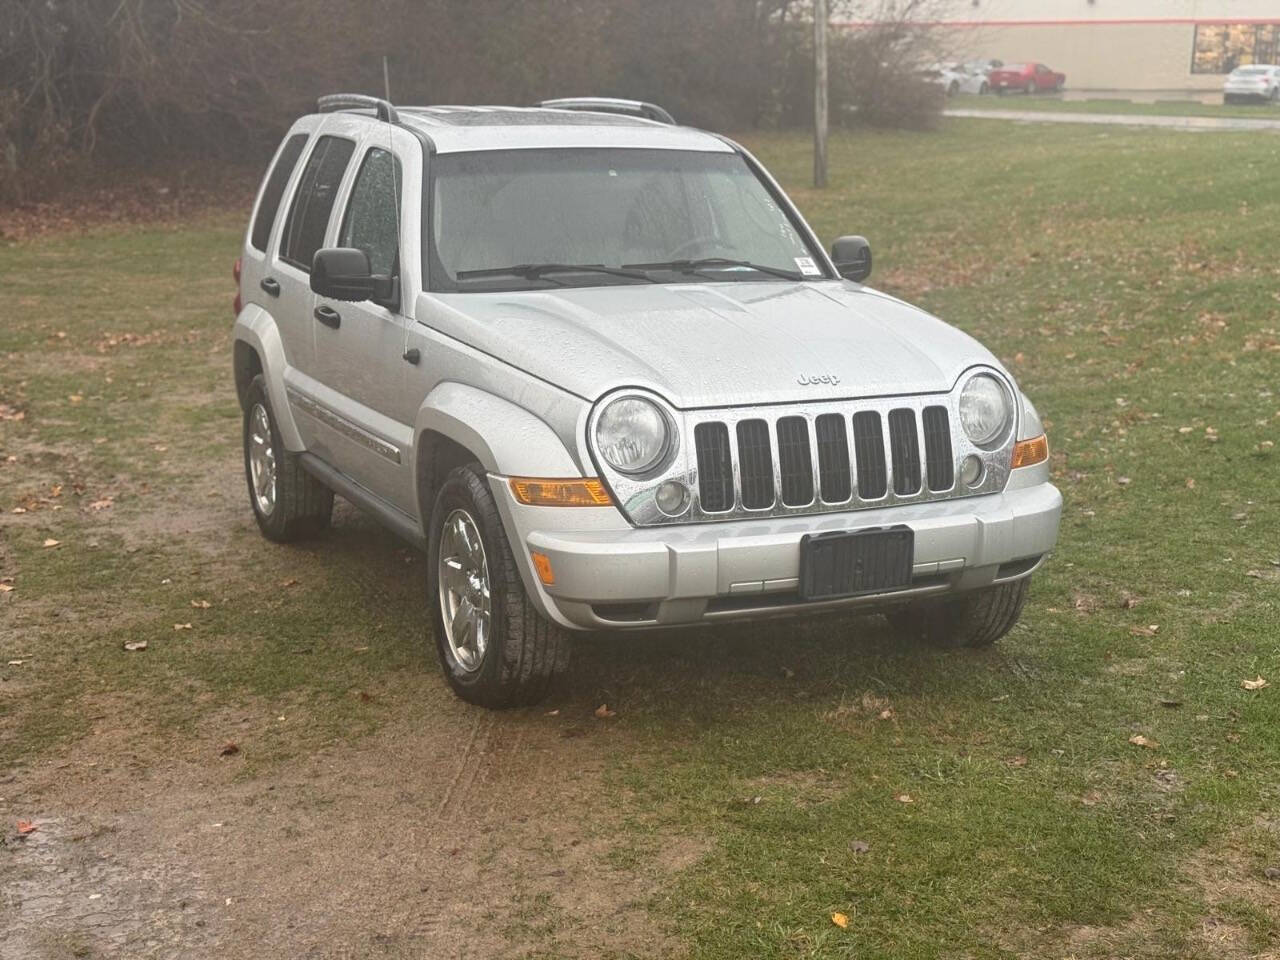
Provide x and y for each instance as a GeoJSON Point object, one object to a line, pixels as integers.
{"type": "Point", "coordinates": [976, 619]}
{"type": "Point", "coordinates": [290, 504]}
{"type": "Point", "coordinates": [523, 653]}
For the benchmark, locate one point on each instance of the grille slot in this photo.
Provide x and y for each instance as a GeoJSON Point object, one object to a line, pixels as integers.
{"type": "Point", "coordinates": [715, 466]}
{"type": "Point", "coordinates": [755, 462]}
{"type": "Point", "coordinates": [833, 458]}
{"type": "Point", "coordinates": [939, 462]}
{"type": "Point", "coordinates": [795, 461]}
{"type": "Point", "coordinates": [904, 444]}
{"type": "Point", "coordinates": [868, 447]}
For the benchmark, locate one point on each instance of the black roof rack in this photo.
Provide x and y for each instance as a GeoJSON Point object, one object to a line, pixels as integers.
{"type": "Point", "coordinates": [358, 101]}
{"type": "Point", "coordinates": [629, 108]}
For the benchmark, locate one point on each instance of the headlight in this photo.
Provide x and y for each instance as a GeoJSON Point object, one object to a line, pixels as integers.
{"type": "Point", "coordinates": [632, 434]}
{"type": "Point", "coordinates": [985, 409]}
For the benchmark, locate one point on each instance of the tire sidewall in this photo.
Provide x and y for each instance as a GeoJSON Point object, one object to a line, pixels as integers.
{"type": "Point", "coordinates": [271, 525]}
{"type": "Point", "coordinates": [464, 489]}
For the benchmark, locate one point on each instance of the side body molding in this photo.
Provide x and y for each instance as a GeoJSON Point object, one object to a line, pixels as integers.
{"type": "Point", "coordinates": [258, 329]}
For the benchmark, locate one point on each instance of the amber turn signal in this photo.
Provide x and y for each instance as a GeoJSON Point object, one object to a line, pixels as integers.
{"type": "Point", "coordinates": [1030, 452]}
{"type": "Point", "coordinates": [561, 493]}
{"type": "Point", "coordinates": [542, 564]}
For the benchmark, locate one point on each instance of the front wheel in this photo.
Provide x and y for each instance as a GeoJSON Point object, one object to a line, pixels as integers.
{"type": "Point", "coordinates": [976, 619]}
{"type": "Point", "coordinates": [495, 648]}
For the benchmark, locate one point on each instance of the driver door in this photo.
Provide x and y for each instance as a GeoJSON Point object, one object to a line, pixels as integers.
{"type": "Point", "coordinates": [360, 347]}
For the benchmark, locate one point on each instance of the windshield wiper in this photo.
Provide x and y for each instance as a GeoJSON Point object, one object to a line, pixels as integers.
{"type": "Point", "coordinates": [539, 271]}
{"type": "Point", "coordinates": [694, 266]}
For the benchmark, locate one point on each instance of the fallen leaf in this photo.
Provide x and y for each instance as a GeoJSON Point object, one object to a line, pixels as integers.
{"type": "Point", "coordinates": [886, 714]}
{"type": "Point", "coordinates": [16, 663]}
{"type": "Point", "coordinates": [553, 713]}
{"type": "Point", "coordinates": [1150, 631]}
{"type": "Point", "coordinates": [904, 798]}
{"type": "Point", "coordinates": [1257, 684]}
{"type": "Point", "coordinates": [19, 509]}
{"type": "Point", "coordinates": [1091, 799]}
{"type": "Point", "coordinates": [103, 504]}
{"type": "Point", "coordinates": [1124, 481]}
{"type": "Point", "coordinates": [132, 645]}
{"type": "Point", "coordinates": [1129, 601]}
{"type": "Point", "coordinates": [25, 827]}
{"type": "Point", "coordinates": [6, 587]}
{"type": "Point", "coordinates": [1018, 761]}
{"type": "Point", "coordinates": [859, 846]}
{"type": "Point", "coordinates": [1138, 740]}
{"type": "Point", "coordinates": [201, 604]}
{"type": "Point", "coordinates": [365, 696]}
{"type": "Point", "coordinates": [52, 542]}
{"type": "Point", "coordinates": [291, 582]}
{"type": "Point", "coordinates": [1169, 702]}
{"type": "Point", "coordinates": [604, 713]}
{"type": "Point", "coordinates": [182, 626]}
{"type": "Point", "coordinates": [229, 749]}
{"type": "Point", "coordinates": [840, 920]}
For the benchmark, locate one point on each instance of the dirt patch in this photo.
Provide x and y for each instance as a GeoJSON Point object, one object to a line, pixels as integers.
{"type": "Point", "coordinates": [450, 833]}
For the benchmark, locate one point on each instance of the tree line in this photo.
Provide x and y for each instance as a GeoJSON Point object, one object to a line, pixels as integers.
{"type": "Point", "coordinates": [133, 82]}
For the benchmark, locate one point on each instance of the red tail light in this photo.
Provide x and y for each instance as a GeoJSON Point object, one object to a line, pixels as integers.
{"type": "Point", "coordinates": [237, 304]}
{"type": "Point", "coordinates": [235, 270]}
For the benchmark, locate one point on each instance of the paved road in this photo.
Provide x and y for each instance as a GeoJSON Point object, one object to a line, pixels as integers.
{"type": "Point", "coordinates": [1196, 124]}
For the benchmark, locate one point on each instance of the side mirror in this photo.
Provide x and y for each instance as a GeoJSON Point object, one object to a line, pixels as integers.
{"type": "Point", "coordinates": [852, 257]}
{"type": "Point", "coordinates": [343, 273]}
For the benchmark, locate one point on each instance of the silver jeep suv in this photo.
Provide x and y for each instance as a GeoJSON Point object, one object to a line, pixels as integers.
{"type": "Point", "coordinates": [599, 368]}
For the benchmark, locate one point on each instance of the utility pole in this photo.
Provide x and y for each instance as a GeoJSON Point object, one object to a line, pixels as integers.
{"type": "Point", "coordinates": [819, 93]}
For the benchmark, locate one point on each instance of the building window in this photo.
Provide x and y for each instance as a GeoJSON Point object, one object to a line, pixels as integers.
{"type": "Point", "coordinates": [1221, 47]}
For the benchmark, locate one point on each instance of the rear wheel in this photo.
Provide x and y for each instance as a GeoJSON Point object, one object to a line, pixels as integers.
{"type": "Point", "coordinates": [495, 648]}
{"type": "Point", "coordinates": [287, 502]}
{"type": "Point", "coordinates": [976, 619]}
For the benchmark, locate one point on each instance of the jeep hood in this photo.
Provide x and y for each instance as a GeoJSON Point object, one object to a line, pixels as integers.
{"type": "Point", "coordinates": [717, 344]}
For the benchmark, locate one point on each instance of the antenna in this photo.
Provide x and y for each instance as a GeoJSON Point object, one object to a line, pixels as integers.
{"type": "Point", "coordinates": [386, 79]}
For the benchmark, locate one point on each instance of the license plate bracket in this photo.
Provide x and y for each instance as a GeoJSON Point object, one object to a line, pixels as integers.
{"type": "Point", "coordinates": [852, 563]}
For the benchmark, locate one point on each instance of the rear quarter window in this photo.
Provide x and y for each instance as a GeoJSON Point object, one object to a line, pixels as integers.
{"type": "Point", "coordinates": [274, 190]}
{"type": "Point", "coordinates": [313, 201]}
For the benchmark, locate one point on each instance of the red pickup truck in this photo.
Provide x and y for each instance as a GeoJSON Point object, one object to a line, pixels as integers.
{"type": "Point", "coordinates": [1027, 77]}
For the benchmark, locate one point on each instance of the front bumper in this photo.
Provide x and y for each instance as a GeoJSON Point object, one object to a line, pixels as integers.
{"type": "Point", "coordinates": [611, 575]}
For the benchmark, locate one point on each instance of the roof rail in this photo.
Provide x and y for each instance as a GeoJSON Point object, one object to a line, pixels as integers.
{"type": "Point", "coordinates": [629, 108]}
{"type": "Point", "coordinates": [358, 101]}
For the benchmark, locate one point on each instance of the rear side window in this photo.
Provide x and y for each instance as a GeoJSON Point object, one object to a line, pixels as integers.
{"type": "Point", "coordinates": [274, 190]}
{"type": "Point", "coordinates": [372, 221]}
{"type": "Point", "coordinates": [313, 201]}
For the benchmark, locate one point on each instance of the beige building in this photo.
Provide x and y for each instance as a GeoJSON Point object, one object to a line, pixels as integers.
{"type": "Point", "coordinates": [1168, 45]}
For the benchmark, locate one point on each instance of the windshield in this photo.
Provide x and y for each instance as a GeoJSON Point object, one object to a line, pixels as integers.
{"type": "Point", "coordinates": [1251, 71]}
{"type": "Point", "coordinates": [664, 215]}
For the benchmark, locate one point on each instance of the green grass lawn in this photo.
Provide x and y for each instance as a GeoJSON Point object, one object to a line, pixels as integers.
{"type": "Point", "coordinates": [1116, 105]}
{"type": "Point", "coordinates": [1130, 280]}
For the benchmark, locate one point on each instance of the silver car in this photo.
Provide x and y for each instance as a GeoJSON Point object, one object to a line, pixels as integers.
{"type": "Point", "coordinates": [597, 366]}
{"type": "Point", "coordinates": [1257, 82]}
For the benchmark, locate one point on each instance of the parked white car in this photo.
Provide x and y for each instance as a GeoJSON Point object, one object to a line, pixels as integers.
{"type": "Point", "coordinates": [958, 78]}
{"type": "Point", "coordinates": [1254, 82]}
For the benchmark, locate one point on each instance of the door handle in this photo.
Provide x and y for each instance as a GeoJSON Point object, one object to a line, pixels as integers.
{"type": "Point", "coordinates": [413, 355]}
{"type": "Point", "coordinates": [271, 285]}
{"type": "Point", "coordinates": [328, 316]}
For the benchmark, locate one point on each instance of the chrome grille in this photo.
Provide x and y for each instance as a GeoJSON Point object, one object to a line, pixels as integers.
{"type": "Point", "coordinates": [715, 473]}
{"type": "Point", "coordinates": [755, 462]}
{"type": "Point", "coordinates": [904, 441]}
{"type": "Point", "coordinates": [795, 461]}
{"type": "Point", "coordinates": [833, 458]}
{"type": "Point", "coordinates": [937, 448]}
{"type": "Point", "coordinates": [827, 456]}
{"type": "Point", "coordinates": [868, 448]}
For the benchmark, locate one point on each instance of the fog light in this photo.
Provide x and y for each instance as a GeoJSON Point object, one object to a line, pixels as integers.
{"type": "Point", "coordinates": [672, 498]}
{"type": "Point", "coordinates": [971, 470]}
